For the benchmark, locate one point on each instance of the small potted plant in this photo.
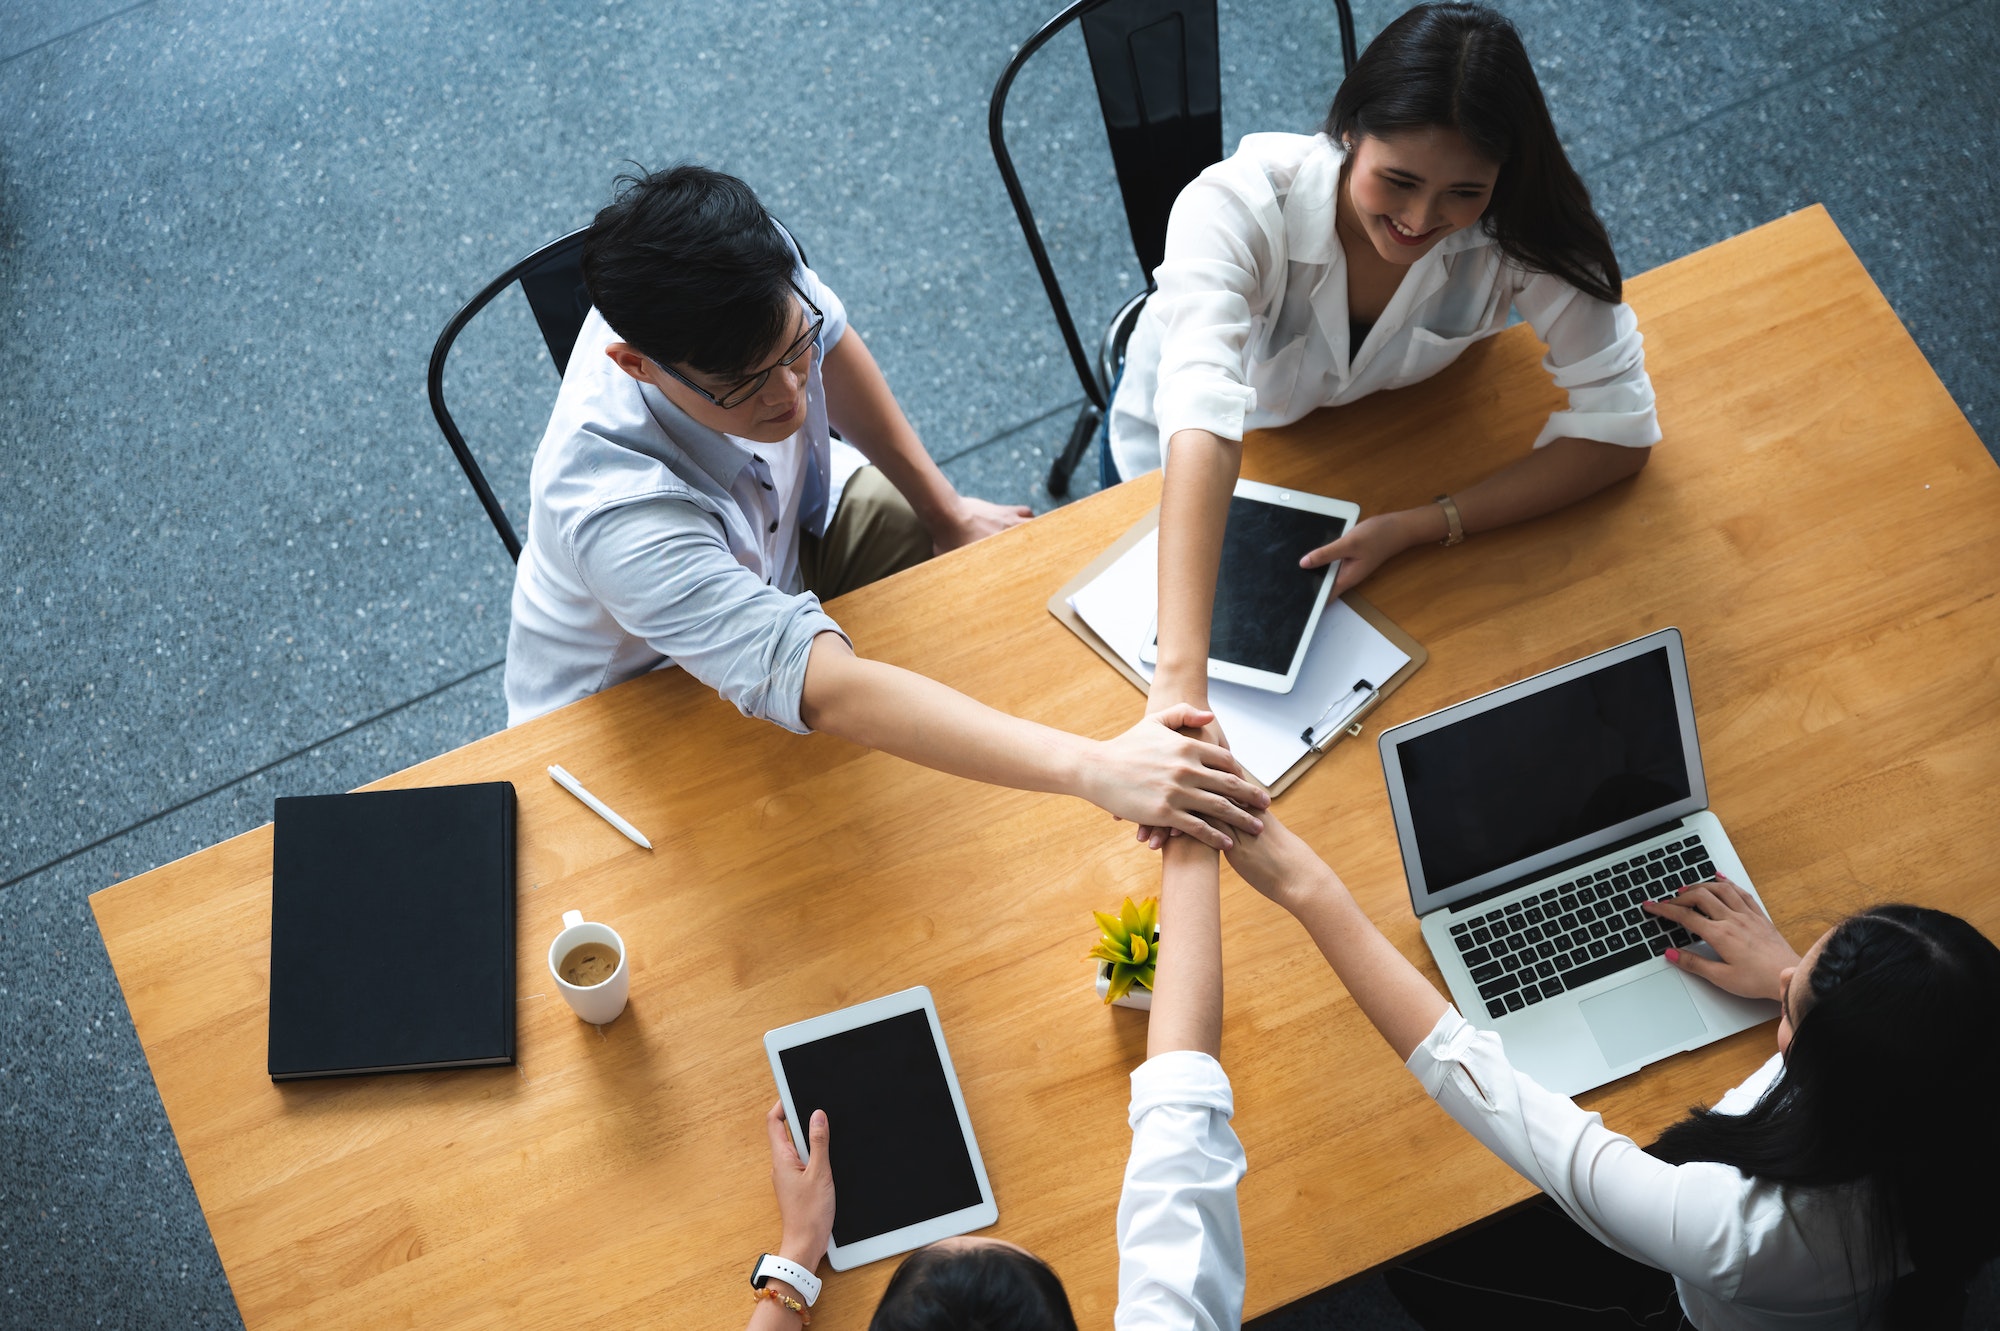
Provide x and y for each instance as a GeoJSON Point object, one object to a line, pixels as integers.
{"type": "Point", "coordinates": [1127, 951]}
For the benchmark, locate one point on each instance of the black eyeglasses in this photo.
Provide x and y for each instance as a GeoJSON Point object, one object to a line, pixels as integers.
{"type": "Point", "coordinates": [743, 392]}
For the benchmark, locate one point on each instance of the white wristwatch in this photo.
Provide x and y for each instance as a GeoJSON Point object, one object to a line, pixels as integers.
{"type": "Point", "coordinates": [800, 1279]}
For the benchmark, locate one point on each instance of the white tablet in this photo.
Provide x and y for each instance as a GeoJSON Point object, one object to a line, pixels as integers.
{"type": "Point", "coordinates": [1266, 606]}
{"type": "Point", "coordinates": [906, 1171]}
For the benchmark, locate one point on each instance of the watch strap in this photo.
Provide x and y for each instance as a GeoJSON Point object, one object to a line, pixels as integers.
{"type": "Point", "coordinates": [800, 1279]}
{"type": "Point", "coordinates": [1454, 528]}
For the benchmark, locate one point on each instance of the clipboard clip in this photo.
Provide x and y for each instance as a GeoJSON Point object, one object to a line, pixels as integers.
{"type": "Point", "coordinates": [1368, 692]}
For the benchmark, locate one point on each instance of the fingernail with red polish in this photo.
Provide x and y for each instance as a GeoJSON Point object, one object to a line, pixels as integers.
{"type": "Point", "coordinates": [1674, 955]}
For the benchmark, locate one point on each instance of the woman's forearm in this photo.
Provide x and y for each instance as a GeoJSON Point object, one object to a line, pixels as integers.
{"type": "Point", "coordinates": [1552, 477]}
{"type": "Point", "coordinates": [1393, 994]}
{"type": "Point", "coordinates": [1194, 507]}
{"type": "Point", "coordinates": [1187, 986]}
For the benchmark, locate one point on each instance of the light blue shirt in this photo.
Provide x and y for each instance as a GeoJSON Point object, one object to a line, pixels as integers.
{"type": "Point", "coordinates": [656, 541]}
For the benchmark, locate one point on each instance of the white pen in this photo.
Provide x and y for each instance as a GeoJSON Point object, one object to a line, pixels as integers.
{"type": "Point", "coordinates": [597, 806]}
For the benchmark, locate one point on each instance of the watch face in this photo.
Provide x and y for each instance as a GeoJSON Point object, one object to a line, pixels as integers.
{"type": "Point", "coordinates": [757, 1280]}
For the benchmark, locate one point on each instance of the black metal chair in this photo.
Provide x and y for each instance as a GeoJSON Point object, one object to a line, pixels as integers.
{"type": "Point", "coordinates": [552, 280]}
{"type": "Point", "coordinates": [1158, 69]}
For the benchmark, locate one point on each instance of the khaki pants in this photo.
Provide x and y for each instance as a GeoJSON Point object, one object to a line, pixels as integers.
{"type": "Point", "coordinates": [874, 533]}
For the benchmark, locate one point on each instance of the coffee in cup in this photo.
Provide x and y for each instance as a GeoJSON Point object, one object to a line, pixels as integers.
{"type": "Point", "coordinates": [587, 961]}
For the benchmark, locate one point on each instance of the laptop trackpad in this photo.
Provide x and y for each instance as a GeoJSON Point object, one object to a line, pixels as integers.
{"type": "Point", "coordinates": [1638, 1020]}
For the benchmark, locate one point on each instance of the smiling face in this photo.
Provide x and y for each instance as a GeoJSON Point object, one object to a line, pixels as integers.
{"type": "Point", "coordinates": [1406, 192]}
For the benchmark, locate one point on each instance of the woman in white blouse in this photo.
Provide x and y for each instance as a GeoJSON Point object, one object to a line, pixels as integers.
{"type": "Point", "coordinates": [1180, 1239]}
{"type": "Point", "coordinates": [1307, 271]}
{"type": "Point", "coordinates": [1850, 1182]}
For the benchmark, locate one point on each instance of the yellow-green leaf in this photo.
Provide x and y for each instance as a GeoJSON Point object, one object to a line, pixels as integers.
{"type": "Point", "coordinates": [1128, 913]}
{"type": "Point", "coordinates": [1113, 927]}
{"type": "Point", "coordinates": [1139, 949]}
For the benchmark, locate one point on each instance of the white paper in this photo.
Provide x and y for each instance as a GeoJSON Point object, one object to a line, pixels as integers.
{"type": "Point", "coordinates": [1263, 727]}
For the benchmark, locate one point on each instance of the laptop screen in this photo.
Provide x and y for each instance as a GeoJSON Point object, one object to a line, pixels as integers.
{"type": "Point", "coordinates": [1549, 767]}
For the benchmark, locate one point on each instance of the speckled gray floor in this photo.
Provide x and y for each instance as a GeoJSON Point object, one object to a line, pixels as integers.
{"type": "Point", "coordinates": [236, 560]}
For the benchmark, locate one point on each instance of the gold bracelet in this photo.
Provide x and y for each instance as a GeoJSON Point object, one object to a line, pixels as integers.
{"type": "Point", "coordinates": [1454, 529]}
{"type": "Point", "coordinates": [759, 1295]}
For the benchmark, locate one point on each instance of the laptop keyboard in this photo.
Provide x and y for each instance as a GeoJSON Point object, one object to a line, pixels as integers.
{"type": "Point", "coordinates": [1581, 930]}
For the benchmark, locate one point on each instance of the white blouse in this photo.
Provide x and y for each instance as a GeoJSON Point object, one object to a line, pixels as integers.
{"type": "Point", "coordinates": [1249, 325]}
{"type": "Point", "coordinates": [1743, 1253]}
{"type": "Point", "coordinates": [1180, 1237]}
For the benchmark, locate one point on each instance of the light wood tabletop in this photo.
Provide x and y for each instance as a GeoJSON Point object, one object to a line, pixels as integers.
{"type": "Point", "coordinates": [1821, 522]}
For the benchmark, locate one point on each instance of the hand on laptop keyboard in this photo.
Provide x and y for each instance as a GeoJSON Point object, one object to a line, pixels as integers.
{"type": "Point", "coordinates": [1753, 953]}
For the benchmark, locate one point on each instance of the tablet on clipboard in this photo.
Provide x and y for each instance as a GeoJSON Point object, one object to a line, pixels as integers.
{"type": "Point", "coordinates": [906, 1170]}
{"type": "Point", "coordinates": [1266, 606]}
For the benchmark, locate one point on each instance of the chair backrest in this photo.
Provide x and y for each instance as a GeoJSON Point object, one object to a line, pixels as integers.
{"type": "Point", "coordinates": [552, 280]}
{"type": "Point", "coordinates": [1158, 69]}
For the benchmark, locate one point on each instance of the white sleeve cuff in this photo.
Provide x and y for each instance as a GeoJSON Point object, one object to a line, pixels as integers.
{"type": "Point", "coordinates": [1215, 405]}
{"type": "Point", "coordinates": [1180, 1077]}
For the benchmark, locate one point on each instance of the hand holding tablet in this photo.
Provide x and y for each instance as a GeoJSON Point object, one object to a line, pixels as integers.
{"type": "Point", "coordinates": [907, 1172]}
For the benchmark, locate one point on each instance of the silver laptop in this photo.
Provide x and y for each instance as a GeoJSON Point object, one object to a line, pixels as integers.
{"type": "Point", "coordinates": [1533, 820]}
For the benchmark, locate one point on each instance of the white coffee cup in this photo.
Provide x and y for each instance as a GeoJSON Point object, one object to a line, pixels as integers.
{"type": "Point", "coordinates": [601, 1002]}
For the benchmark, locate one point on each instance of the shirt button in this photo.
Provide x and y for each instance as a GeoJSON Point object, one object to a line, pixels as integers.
{"type": "Point", "coordinates": [773, 526]}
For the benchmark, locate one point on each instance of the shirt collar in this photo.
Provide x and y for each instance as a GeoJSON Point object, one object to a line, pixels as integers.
{"type": "Point", "coordinates": [721, 457]}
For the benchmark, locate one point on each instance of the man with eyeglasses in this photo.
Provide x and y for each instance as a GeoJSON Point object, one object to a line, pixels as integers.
{"type": "Point", "coordinates": [689, 506]}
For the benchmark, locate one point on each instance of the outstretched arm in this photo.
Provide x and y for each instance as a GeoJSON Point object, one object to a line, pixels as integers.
{"type": "Point", "coordinates": [1187, 983]}
{"type": "Point", "coordinates": [862, 408]}
{"type": "Point", "coordinates": [1194, 508]}
{"type": "Point", "coordinates": [1150, 774]}
{"type": "Point", "coordinates": [1392, 993]}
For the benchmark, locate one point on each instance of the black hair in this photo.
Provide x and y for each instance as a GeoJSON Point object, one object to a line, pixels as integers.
{"type": "Point", "coordinates": [686, 266]}
{"type": "Point", "coordinates": [1463, 67]}
{"type": "Point", "coordinates": [985, 1288]}
{"type": "Point", "coordinates": [1889, 1082]}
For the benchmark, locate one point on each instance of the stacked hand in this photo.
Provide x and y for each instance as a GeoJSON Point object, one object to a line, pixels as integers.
{"type": "Point", "coordinates": [1170, 781]}
{"type": "Point", "coordinates": [1753, 954]}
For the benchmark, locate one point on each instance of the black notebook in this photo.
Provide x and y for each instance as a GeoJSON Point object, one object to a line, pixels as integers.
{"type": "Point", "coordinates": [392, 931]}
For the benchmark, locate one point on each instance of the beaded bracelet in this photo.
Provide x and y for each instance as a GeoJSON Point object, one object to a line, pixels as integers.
{"type": "Point", "coordinates": [759, 1295]}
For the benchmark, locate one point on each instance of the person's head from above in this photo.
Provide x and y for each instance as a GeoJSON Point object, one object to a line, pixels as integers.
{"type": "Point", "coordinates": [973, 1282]}
{"type": "Point", "coordinates": [1890, 1031]}
{"type": "Point", "coordinates": [698, 283]}
{"type": "Point", "coordinates": [1445, 128]}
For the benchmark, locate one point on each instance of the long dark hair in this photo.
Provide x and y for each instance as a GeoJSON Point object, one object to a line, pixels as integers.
{"type": "Point", "coordinates": [990, 1287]}
{"type": "Point", "coordinates": [1889, 1082]}
{"type": "Point", "coordinates": [1463, 67]}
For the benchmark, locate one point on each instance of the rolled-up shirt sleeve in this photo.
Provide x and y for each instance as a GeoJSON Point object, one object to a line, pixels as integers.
{"type": "Point", "coordinates": [1210, 286]}
{"type": "Point", "coordinates": [662, 570]}
{"type": "Point", "coordinates": [1597, 355]}
{"type": "Point", "coordinates": [1690, 1220]}
{"type": "Point", "coordinates": [1180, 1236]}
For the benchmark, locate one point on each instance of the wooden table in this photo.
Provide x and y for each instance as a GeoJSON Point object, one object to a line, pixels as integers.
{"type": "Point", "coordinates": [1821, 522]}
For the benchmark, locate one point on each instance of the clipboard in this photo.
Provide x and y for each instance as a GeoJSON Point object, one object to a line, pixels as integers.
{"type": "Point", "coordinates": [1349, 723]}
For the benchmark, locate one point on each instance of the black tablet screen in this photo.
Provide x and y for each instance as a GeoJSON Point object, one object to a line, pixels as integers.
{"type": "Point", "coordinates": [1263, 599]}
{"type": "Point", "coordinates": [898, 1155]}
